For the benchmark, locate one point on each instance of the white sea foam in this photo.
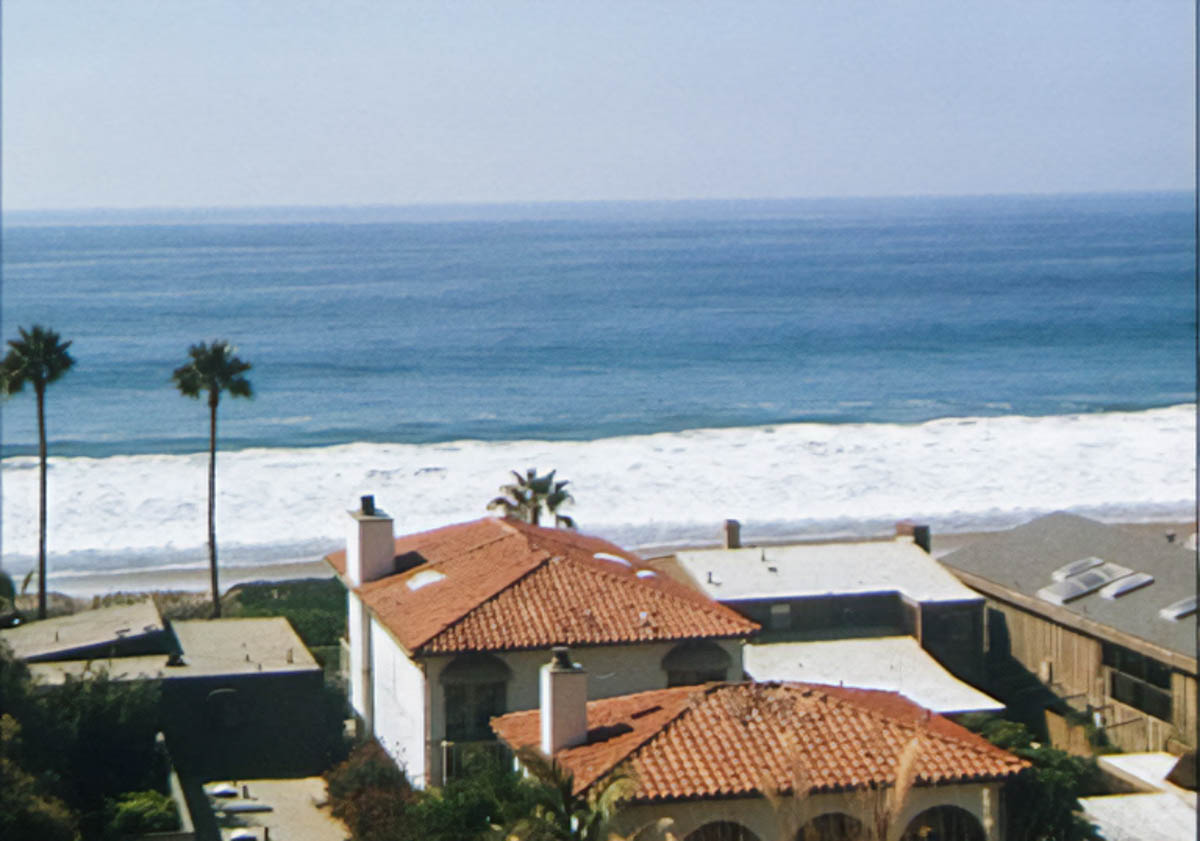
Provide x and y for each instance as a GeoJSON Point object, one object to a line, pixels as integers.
{"type": "Point", "coordinates": [135, 512]}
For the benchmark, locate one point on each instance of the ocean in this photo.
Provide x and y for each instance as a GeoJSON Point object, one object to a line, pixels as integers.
{"type": "Point", "coordinates": [808, 367]}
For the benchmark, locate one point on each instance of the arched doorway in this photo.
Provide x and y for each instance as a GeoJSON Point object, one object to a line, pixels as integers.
{"type": "Point", "coordinates": [832, 826]}
{"type": "Point", "coordinates": [944, 823]}
{"type": "Point", "coordinates": [722, 831]}
{"type": "Point", "coordinates": [696, 661]}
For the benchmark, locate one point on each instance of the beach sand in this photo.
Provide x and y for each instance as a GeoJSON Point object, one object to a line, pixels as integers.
{"type": "Point", "coordinates": [85, 586]}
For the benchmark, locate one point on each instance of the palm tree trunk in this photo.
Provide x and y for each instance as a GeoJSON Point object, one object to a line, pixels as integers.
{"type": "Point", "coordinates": [41, 415]}
{"type": "Point", "coordinates": [212, 504]}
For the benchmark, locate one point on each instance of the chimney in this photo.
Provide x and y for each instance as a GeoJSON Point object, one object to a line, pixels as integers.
{"type": "Point", "coordinates": [370, 544]}
{"type": "Point", "coordinates": [563, 703]}
{"type": "Point", "coordinates": [733, 534]}
{"type": "Point", "coordinates": [919, 534]}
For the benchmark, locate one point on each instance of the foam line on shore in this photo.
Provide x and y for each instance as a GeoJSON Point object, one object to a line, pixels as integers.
{"type": "Point", "coordinates": [278, 505]}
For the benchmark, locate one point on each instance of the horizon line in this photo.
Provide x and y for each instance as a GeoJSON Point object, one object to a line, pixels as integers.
{"type": "Point", "coordinates": [532, 203]}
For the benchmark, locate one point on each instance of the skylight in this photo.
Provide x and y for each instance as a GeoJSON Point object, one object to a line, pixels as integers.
{"type": "Point", "coordinates": [645, 573]}
{"type": "Point", "coordinates": [424, 578]}
{"type": "Point", "coordinates": [605, 556]}
{"type": "Point", "coordinates": [1126, 585]}
{"type": "Point", "coordinates": [1087, 579]}
{"type": "Point", "coordinates": [1075, 567]}
{"type": "Point", "coordinates": [1180, 609]}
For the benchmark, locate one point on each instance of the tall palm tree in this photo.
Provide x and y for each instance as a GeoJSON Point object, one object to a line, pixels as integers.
{"type": "Point", "coordinates": [39, 358]}
{"type": "Point", "coordinates": [213, 368]}
{"type": "Point", "coordinates": [525, 498]}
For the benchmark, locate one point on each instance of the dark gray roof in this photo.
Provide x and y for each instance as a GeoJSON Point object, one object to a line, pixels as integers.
{"type": "Point", "coordinates": [1023, 558]}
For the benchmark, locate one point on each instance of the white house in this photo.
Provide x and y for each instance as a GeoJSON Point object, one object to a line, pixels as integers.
{"type": "Point", "coordinates": [447, 628]}
{"type": "Point", "coordinates": [760, 761]}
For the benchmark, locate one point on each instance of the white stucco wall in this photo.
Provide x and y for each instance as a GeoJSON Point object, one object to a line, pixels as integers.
{"type": "Point", "coordinates": [401, 702]}
{"type": "Point", "coordinates": [358, 627]}
{"type": "Point", "coordinates": [612, 670]}
{"type": "Point", "coordinates": [780, 821]}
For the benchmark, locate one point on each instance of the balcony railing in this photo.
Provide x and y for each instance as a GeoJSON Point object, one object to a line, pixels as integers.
{"type": "Point", "coordinates": [458, 757]}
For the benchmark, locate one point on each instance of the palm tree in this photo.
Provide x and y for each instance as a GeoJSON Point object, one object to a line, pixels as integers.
{"type": "Point", "coordinates": [525, 498]}
{"type": "Point", "coordinates": [213, 369]}
{"type": "Point", "coordinates": [562, 814]}
{"type": "Point", "coordinates": [39, 358]}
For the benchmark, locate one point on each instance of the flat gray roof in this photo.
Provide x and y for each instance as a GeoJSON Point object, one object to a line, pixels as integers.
{"type": "Point", "coordinates": [821, 569]}
{"type": "Point", "coordinates": [897, 664]}
{"type": "Point", "coordinates": [211, 648]}
{"type": "Point", "coordinates": [86, 629]}
{"type": "Point", "coordinates": [1022, 559]}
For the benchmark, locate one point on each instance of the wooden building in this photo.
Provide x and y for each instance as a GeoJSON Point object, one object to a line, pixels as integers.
{"type": "Point", "coordinates": [1101, 616]}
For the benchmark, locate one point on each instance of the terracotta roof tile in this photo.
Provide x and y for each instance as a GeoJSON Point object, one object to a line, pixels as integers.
{"type": "Point", "coordinates": [509, 585]}
{"type": "Point", "coordinates": [723, 740]}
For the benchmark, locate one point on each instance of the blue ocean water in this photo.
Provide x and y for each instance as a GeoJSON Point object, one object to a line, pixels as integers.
{"type": "Point", "coordinates": [809, 367]}
{"type": "Point", "coordinates": [589, 321]}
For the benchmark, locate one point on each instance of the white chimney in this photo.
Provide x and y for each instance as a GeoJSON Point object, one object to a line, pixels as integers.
{"type": "Point", "coordinates": [370, 544]}
{"type": "Point", "coordinates": [564, 703]}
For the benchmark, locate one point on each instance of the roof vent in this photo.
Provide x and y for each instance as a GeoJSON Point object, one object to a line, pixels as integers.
{"type": "Point", "coordinates": [1180, 609]}
{"type": "Point", "coordinates": [368, 505]}
{"type": "Point", "coordinates": [1126, 585]}
{"type": "Point", "coordinates": [1075, 567]}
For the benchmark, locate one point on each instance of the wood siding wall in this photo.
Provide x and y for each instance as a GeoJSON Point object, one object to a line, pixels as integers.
{"type": "Point", "coordinates": [1070, 663]}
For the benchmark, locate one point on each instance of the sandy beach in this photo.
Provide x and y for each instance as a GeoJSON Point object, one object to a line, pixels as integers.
{"type": "Point", "coordinates": [196, 580]}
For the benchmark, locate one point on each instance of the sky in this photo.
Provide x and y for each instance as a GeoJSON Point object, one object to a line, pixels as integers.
{"type": "Point", "coordinates": [202, 103]}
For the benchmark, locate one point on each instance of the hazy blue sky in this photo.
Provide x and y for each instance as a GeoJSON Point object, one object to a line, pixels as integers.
{"type": "Point", "coordinates": [203, 102]}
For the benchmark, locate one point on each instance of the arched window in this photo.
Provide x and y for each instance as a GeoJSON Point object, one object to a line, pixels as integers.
{"type": "Point", "coordinates": [696, 661]}
{"type": "Point", "coordinates": [832, 826]}
{"type": "Point", "coordinates": [474, 687]}
{"type": "Point", "coordinates": [722, 831]}
{"type": "Point", "coordinates": [944, 823]}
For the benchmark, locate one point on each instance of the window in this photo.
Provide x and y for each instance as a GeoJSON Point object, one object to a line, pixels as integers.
{"type": "Point", "coordinates": [1139, 681]}
{"type": "Point", "coordinates": [474, 687]}
{"type": "Point", "coordinates": [469, 708]}
{"type": "Point", "coordinates": [781, 617]}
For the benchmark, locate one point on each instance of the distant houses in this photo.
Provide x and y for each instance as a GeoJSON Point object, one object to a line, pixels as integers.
{"type": "Point", "coordinates": [875, 614]}
{"type": "Point", "coordinates": [448, 628]}
{"type": "Point", "coordinates": [1101, 617]}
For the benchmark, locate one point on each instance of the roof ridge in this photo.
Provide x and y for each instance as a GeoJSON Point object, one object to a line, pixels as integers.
{"type": "Point", "coordinates": [920, 727]}
{"type": "Point", "coordinates": [495, 594]}
{"type": "Point", "coordinates": [667, 587]}
{"type": "Point", "coordinates": [694, 695]}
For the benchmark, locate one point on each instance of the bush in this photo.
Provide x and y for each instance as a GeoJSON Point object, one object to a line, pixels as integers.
{"type": "Point", "coordinates": [139, 812]}
{"type": "Point", "coordinates": [372, 796]}
{"type": "Point", "coordinates": [1048, 793]}
{"type": "Point", "coordinates": [316, 607]}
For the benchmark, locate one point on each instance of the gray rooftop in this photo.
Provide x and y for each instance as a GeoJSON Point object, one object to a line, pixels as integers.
{"type": "Point", "coordinates": [822, 569]}
{"type": "Point", "coordinates": [64, 635]}
{"type": "Point", "coordinates": [211, 648]}
{"type": "Point", "coordinates": [1023, 559]}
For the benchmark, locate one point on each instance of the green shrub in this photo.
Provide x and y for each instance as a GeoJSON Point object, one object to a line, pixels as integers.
{"type": "Point", "coordinates": [316, 607]}
{"type": "Point", "coordinates": [139, 812]}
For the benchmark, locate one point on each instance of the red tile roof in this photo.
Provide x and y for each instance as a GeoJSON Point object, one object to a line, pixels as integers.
{"type": "Point", "coordinates": [743, 739]}
{"type": "Point", "coordinates": [509, 585]}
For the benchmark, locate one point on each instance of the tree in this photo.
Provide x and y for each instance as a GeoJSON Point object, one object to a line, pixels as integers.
{"type": "Point", "coordinates": [213, 369]}
{"type": "Point", "coordinates": [562, 814]}
{"type": "Point", "coordinates": [39, 358]}
{"type": "Point", "coordinates": [525, 498]}
{"type": "Point", "coordinates": [1048, 792]}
